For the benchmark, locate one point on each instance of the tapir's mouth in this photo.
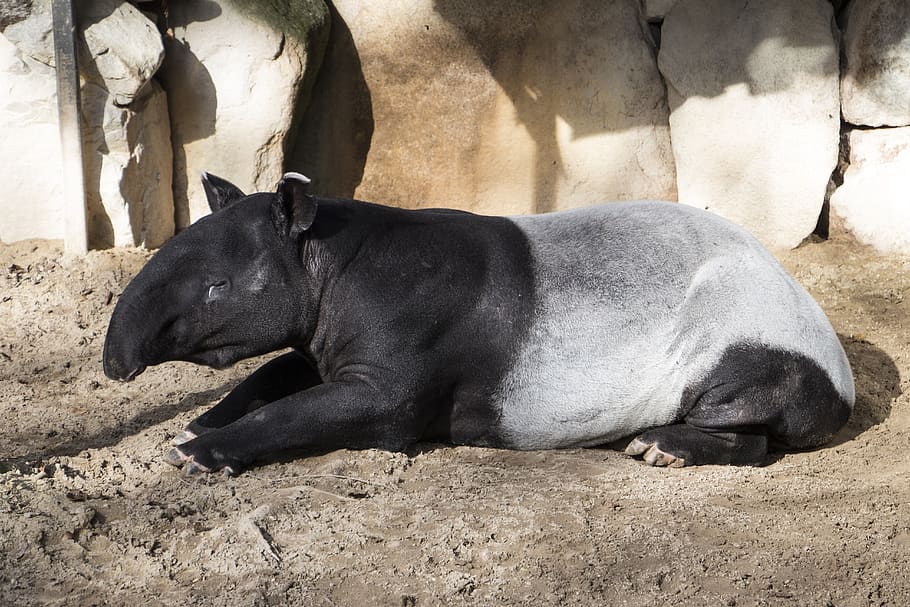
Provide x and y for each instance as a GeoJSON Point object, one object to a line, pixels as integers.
{"type": "Point", "coordinates": [132, 375]}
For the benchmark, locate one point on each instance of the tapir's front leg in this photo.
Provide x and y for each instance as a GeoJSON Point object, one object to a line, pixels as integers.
{"type": "Point", "coordinates": [280, 377]}
{"type": "Point", "coordinates": [328, 416]}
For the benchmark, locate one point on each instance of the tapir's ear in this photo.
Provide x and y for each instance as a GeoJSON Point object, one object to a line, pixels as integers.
{"type": "Point", "coordinates": [220, 192]}
{"type": "Point", "coordinates": [294, 209]}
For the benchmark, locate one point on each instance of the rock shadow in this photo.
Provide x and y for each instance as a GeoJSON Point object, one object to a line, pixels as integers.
{"type": "Point", "coordinates": [560, 76]}
{"type": "Point", "coordinates": [191, 96]}
{"type": "Point", "coordinates": [886, 29]}
{"type": "Point", "coordinates": [332, 139]}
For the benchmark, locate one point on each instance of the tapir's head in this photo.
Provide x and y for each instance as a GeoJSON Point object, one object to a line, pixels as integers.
{"type": "Point", "coordinates": [226, 288]}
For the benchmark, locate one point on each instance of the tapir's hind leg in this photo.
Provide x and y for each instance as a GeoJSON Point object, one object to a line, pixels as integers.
{"type": "Point", "coordinates": [754, 395]}
{"type": "Point", "coordinates": [280, 377]}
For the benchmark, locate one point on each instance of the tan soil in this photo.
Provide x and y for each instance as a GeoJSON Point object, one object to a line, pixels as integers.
{"type": "Point", "coordinates": [90, 514]}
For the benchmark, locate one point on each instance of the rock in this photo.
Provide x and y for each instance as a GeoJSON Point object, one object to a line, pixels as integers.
{"type": "Point", "coordinates": [873, 200]}
{"type": "Point", "coordinates": [875, 88]}
{"type": "Point", "coordinates": [124, 46]}
{"type": "Point", "coordinates": [480, 107]}
{"type": "Point", "coordinates": [128, 168]}
{"type": "Point", "coordinates": [33, 35]}
{"type": "Point", "coordinates": [127, 153]}
{"type": "Point", "coordinates": [13, 11]}
{"type": "Point", "coordinates": [233, 82]}
{"type": "Point", "coordinates": [29, 149]}
{"type": "Point", "coordinates": [754, 119]}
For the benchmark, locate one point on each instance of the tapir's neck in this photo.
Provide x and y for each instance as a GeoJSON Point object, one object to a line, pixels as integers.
{"type": "Point", "coordinates": [327, 254]}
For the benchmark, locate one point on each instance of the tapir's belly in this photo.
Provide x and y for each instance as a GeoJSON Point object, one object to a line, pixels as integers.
{"type": "Point", "coordinates": [575, 384]}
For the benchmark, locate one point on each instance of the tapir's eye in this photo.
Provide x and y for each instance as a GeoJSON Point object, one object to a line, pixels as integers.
{"type": "Point", "coordinates": [217, 289]}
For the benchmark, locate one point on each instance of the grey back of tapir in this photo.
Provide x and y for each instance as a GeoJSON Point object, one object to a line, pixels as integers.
{"type": "Point", "coordinates": [642, 319]}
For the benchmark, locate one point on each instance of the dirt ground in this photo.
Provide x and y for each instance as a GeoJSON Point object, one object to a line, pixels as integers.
{"type": "Point", "coordinates": [91, 515]}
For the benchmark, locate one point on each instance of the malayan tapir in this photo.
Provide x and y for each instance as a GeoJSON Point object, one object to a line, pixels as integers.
{"type": "Point", "coordinates": [650, 320]}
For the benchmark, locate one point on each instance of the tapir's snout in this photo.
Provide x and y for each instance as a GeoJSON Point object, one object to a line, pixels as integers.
{"type": "Point", "coordinates": [121, 358]}
{"type": "Point", "coordinates": [118, 365]}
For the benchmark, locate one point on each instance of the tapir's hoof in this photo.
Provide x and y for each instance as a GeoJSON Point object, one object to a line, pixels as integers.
{"type": "Point", "coordinates": [652, 455]}
{"type": "Point", "coordinates": [176, 457]}
{"type": "Point", "coordinates": [184, 436]}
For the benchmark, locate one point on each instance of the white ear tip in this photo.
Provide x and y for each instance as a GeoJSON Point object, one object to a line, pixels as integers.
{"type": "Point", "coordinates": [297, 176]}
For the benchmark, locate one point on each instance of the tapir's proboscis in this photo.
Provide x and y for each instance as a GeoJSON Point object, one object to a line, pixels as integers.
{"type": "Point", "coordinates": [652, 321]}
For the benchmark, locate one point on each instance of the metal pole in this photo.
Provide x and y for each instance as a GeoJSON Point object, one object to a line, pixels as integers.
{"type": "Point", "coordinates": [75, 240]}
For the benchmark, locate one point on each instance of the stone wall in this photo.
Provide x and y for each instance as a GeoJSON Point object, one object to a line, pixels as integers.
{"type": "Point", "coordinates": [166, 92]}
{"type": "Point", "coordinates": [515, 106]}
{"type": "Point", "coordinates": [874, 200]}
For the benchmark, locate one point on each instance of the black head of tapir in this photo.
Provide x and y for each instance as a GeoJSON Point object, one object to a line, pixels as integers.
{"type": "Point", "coordinates": [208, 296]}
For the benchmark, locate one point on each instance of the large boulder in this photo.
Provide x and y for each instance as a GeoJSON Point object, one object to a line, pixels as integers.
{"type": "Point", "coordinates": [875, 88]}
{"type": "Point", "coordinates": [874, 200]}
{"type": "Point", "coordinates": [126, 133]}
{"type": "Point", "coordinates": [755, 118]}
{"type": "Point", "coordinates": [508, 108]}
{"type": "Point", "coordinates": [234, 72]}
{"type": "Point", "coordinates": [125, 48]}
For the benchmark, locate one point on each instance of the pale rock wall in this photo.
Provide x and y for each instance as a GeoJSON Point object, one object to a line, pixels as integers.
{"type": "Point", "coordinates": [528, 108]}
{"type": "Point", "coordinates": [129, 202]}
{"type": "Point", "coordinates": [874, 200]}
{"type": "Point", "coordinates": [754, 119]}
{"type": "Point", "coordinates": [233, 81]}
{"type": "Point", "coordinates": [29, 148]}
{"type": "Point", "coordinates": [511, 107]}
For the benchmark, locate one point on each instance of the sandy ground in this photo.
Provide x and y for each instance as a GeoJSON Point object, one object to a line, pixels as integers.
{"type": "Point", "coordinates": [91, 515]}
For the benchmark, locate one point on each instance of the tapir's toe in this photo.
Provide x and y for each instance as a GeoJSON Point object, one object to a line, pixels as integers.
{"type": "Point", "coordinates": [190, 467]}
{"type": "Point", "coordinates": [653, 455]}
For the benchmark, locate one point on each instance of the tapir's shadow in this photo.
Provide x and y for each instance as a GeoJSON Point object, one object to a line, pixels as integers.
{"type": "Point", "coordinates": [877, 382]}
{"type": "Point", "coordinates": [875, 375]}
{"type": "Point", "coordinates": [109, 436]}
